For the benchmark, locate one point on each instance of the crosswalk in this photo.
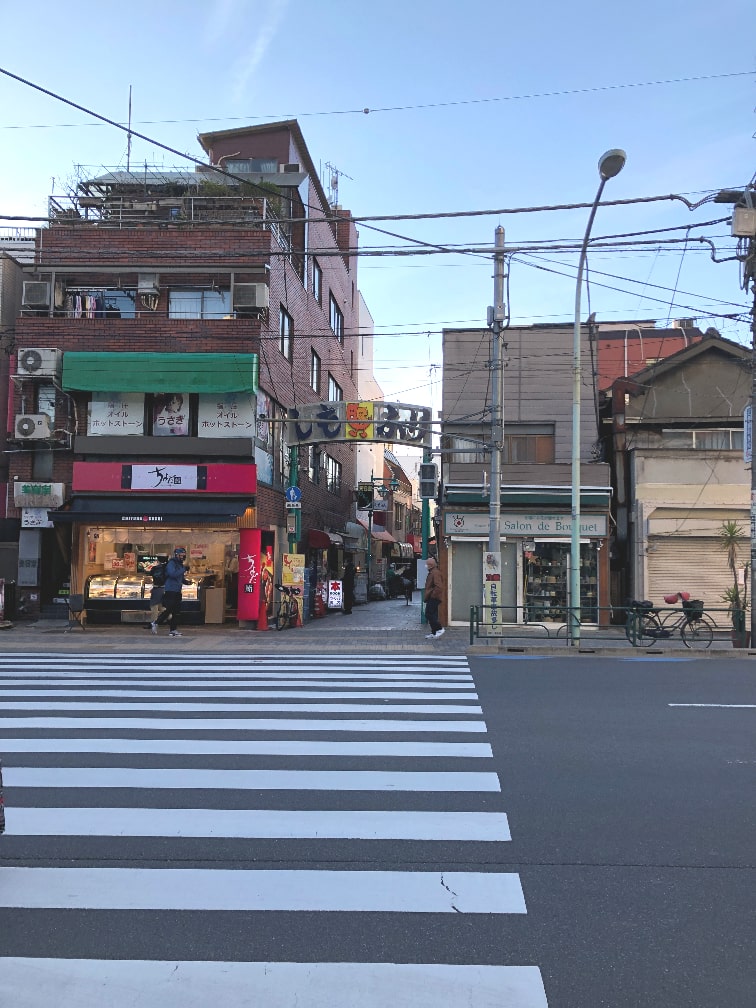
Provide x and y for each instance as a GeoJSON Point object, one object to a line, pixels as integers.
{"type": "Point", "coordinates": [273, 830]}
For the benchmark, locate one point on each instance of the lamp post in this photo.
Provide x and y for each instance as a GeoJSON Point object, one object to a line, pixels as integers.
{"type": "Point", "coordinates": [378, 486]}
{"type": "Point", "coordinates": [610, 164]}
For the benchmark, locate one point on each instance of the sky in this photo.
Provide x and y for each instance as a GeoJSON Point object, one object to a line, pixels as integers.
{"type": "Point", "coordinates": [488, 106]}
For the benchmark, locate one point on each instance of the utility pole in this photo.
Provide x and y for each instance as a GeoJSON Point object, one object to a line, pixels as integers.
{"type": "Point", "coordinates": [744, 228]}
{"type": "Point", "coordinates": [492, 564]}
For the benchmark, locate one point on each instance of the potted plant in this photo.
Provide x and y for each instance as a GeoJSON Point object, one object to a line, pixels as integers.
{"type": "Point", "coordinates": [731, 536]}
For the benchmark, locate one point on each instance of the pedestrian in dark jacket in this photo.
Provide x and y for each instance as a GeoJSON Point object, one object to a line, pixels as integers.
{"type": "Point", "coordinates": [347, 588]}
{"type": "Point", "coordinates": [434, 593]}
{"type": "Point", "coordinates": [175, 578]}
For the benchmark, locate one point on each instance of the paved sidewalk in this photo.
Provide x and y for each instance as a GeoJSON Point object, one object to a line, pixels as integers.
{"type": "Point", "coordinates": [388, 626]}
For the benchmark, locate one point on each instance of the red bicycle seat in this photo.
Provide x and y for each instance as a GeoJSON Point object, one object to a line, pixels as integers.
{"type": "Point", "coordinates": [671, 599]}
{"type": "Point", "coordinates": [684, 596]}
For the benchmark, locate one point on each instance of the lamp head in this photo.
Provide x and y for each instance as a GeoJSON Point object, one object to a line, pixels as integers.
{"type": "Point", "coordinates": [611, 163]}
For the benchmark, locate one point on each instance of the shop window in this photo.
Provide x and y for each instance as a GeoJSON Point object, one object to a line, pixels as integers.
{"type": "Point", "coordinates": [199, 304]}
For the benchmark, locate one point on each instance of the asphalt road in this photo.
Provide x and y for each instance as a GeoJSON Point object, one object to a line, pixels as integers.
{"type": "Point", "coordinates": [333, 830]}
{"type": "Point", "coordinates": [632, 824]}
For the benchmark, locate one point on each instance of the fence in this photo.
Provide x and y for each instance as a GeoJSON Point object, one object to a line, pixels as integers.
{"type": "Point", "coordinates": [620, 626]}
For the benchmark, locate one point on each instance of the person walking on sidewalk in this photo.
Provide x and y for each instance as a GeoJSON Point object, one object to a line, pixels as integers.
{"type": "Point", "coordinates": [175, 578]}
{"type": "Point", "coordinates": [434, 593]}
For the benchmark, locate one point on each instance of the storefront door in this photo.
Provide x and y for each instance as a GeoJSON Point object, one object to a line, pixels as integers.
{"type": "Point", "coordinates": [466, 580]}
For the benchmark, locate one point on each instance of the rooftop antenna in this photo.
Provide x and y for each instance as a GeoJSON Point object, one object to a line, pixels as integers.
{"type": "Point", "coordinates": [333, 183]}
{"type": "Point", "coordinates": [128, 141]}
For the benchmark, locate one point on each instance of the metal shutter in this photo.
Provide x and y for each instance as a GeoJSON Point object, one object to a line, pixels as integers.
{"type": "Point", "coordinates": [696, 565]}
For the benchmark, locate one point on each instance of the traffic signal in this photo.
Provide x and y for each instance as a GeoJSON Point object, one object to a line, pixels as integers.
{"type": "Point", "coordinates": [428, 480]}
{"type": "Point", "coordinates": [364, 495]}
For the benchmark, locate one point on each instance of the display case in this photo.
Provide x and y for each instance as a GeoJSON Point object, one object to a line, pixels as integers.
{"type": "Point", "coordinates": [130, 587]}
{"type": "Point", "coordinates": [101, 586]}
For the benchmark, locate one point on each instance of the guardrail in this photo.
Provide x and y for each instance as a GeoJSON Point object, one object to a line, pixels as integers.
{"type": "Point", "coordinates": [628, 626]}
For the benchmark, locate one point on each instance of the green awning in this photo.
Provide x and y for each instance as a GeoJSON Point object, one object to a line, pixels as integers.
{"type": "Point", "coordinates": [156, 372]}
{"type": "Point", "coordinates": [531, 496]}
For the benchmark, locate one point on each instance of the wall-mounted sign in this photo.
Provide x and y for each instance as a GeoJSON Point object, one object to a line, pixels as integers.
{"type": "Point", "coordinates": [360, 421]}
{"type": "Point", "coordinates": [38, 493]}
{"type": "Point", "coordinates": [529, 526]}
{"type": "Point", "coordinates": [115, 477]}
{"type": "Point", "coordinates": [35, 518]}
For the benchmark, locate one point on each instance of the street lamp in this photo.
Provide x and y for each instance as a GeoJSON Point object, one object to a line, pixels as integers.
{"type": "Point", "coordinates": [378, 486]}
{"type": "Point", "coordinates": [610, 164]}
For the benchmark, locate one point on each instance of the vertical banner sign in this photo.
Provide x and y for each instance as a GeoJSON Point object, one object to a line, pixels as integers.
{"type": "Point", "coordinates": [492, 594]}
{"type": "Point", "coordinates": [248, 602]}
{"type": "Point", "coordinates": [293, 576]}
{"type": "Point", "coordinates": [747, 435]}
{"type": "Point", "coordinates": [335, 594]}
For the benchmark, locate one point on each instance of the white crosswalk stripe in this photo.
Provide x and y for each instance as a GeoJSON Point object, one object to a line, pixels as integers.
{"type": "Point", "coordinates": [301, 795]}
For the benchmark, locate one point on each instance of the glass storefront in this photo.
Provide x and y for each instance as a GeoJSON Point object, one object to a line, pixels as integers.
{"type": "Point", "coordinates": [546, 567]}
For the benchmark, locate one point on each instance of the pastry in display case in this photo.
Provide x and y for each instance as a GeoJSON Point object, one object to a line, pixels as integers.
{"type": "Point", "coordinates": [191, 592]}
{"type": "Point", "coordinates": [101, 586]}
{"type": "Point", "coordinates": [130, 587]}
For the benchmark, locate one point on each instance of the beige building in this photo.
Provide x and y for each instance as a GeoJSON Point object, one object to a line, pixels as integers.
{"type": "Point", "coordinates": [679, 471]}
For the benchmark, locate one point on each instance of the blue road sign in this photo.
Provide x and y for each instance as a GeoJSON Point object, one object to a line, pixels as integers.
{"type": "Point", "coordinates": [293, 494]}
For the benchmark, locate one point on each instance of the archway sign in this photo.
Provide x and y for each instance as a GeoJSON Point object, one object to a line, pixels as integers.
{"type": "Point", "coordinates": [311, 423]}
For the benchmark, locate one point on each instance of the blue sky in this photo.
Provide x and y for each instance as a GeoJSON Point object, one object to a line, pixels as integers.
{"type": "Point", "coordinates": [476, 106]}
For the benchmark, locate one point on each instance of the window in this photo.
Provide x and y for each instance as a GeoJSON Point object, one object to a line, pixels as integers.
{"type": "Point", "coordinates": [528, 443]}
{"type": "Point", "coordinates": [285, 331]}
{"type": "Point", "coordinates": [337, 319]}
{"type": "Point", "coordinates": [314, 461]}
{"type": "Point", "coordinates": [464, 450]}
{"type": "Point", "coordinates": [334, 390]}
{"type": "Point", "coordinates": [199, 304]}
{"type": "Point", "coordinates": [317, 282]}
{"type": "Point", "coordinates": [715, 439]}
{"type": "Point", "coordinates": [333, 474]}
{"type": "Point", "coordinates": [399, 517]}
{"type": "Point", "coordinates": [315, 371]}
{"type": "Point", "coordinates": [171, 415]}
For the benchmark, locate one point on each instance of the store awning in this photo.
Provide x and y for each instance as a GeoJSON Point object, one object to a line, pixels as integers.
{"type": "Point", "coordinates": [319, 539]}
{"type": "Point", "coordinates": [127, 510]}
{"type": "Point", "coordinates": [380, 534]}
{"type": "Point", "coordinates": [160, 372]}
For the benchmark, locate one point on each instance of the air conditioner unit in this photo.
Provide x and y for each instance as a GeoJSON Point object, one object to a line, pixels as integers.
{"type": "Point", "coordinates": [33, 426]}
{"type": "Point", "coordinates": [291, 167]}
{"type": "Point", "coordinates": [148, 283]}
{"type": "Point", "coordinates": [39, 362]}
{"type": "Point", "coordinates": [36, 294]}
{"type": "Point", "coordinates": [250, 295]}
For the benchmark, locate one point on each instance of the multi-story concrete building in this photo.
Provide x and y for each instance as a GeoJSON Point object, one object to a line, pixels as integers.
{"type": "Point", "coordinates": [535, 491]}
{"type": "Point", "coordinates": [169, 321]}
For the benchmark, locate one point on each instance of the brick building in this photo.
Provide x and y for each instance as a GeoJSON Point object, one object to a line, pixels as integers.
{"type": "Point", "coordinates": [168, 322]}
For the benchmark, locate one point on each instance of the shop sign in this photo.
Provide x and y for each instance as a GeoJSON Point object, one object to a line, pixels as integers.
{"type": "Point", "coordinates": [226, 415]}
{"type": "Point", "coordinates": [335, 594]}
{"type": "Point", "coordinates": [167, 477]}
{"type": "Point", "coordinates": [293, 570]}
{"type": "Point", "coordinates": [116, 477]}
{"type": "Point", "coordinates": [38, 494]}
{"type": "Point", "coordinates": [250, 568]}
{"type": "Point", "coordinates": [492, 594]}
{"type": "Point", "coordinates": [523, 524]}
{"type": "Point", "coordinates": [359, 421]}
{"type": "Point", "coordinates": [35, 518]}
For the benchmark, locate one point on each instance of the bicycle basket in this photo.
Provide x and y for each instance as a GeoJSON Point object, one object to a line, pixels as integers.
{"type": "Point", "coordinates": [693, 608]}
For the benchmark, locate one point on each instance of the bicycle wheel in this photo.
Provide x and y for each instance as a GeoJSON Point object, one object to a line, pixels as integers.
{"type": "Point", "coordinates": [642, 629]}
{"type": "Point", "coordinates": [282, 616]}
{"type": "Point", "coordinates": [697, 633]}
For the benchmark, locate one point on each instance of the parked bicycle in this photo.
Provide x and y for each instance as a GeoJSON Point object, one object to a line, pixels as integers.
{"type": "Point", "coordinates": [288, 607]}
{"type": "Point", "coordinates": [647, 623]}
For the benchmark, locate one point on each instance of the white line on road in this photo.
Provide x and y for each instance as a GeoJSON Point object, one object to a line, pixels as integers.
{"type": "Point", "coordinates": [255, 708]}
{"type": "Point", "coordinates": [242, 724]}
{"type": "Point", "coordinates": [249, 780]}
{"type": "Point", "coordinates": [305, 824]}
{"type": "Point", "coordinates": [247, 747]}
{"type": "Point", "coordinates": [197, 691]}
{"type": "Point", "coordinates": [91, 983]}
{"type": "Point", "coordinates": [730, 706]}
{"type": "Point", "coordinates": [260, 889]}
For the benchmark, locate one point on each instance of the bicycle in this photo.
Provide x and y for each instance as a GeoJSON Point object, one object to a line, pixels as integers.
{"type": "Point", "coordinates": [647, 623]}
{"type": "Point", "coordinates": [288, 607]}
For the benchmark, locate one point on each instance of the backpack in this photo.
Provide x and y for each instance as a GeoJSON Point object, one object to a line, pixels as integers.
{"type": "Point", "coordinates": [158, 574]}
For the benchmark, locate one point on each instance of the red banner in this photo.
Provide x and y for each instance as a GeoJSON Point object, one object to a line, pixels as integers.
{"type": "Point", "coordinates": [250, 568]}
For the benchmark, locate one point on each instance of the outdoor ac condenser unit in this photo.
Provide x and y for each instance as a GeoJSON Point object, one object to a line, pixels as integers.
{"type": "Point", "coordinates": [36, 294]}
{"type": "Point", "coordinates": [250, 295]}
{"type": "Point", "coordinates": [33, 426]}
{"type": "Point", "coordinates": [148, 283]}
{"type": "Point", "coordinates": [39, 362]}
